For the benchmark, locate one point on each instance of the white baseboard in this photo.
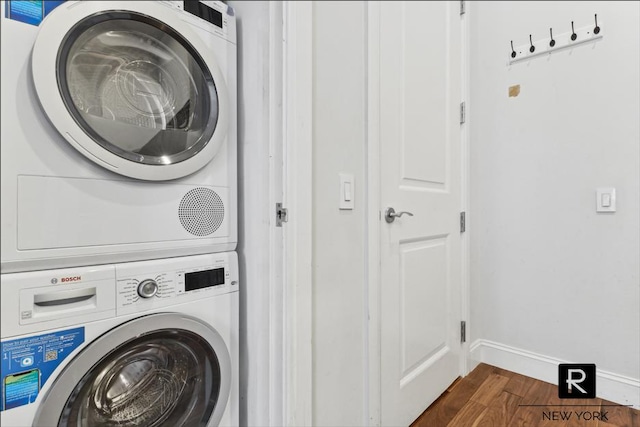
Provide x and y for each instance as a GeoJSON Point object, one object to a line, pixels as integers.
{"type": "Point", "coordinates": [616, 388]}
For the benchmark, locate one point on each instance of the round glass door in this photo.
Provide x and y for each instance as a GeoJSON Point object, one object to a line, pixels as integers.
{"type": "Point", "coordinates": [137, 88]}
{"type": "Point", "coordinates": [160, 370]}
{"type": "Point", "coordinates": [164, 378]}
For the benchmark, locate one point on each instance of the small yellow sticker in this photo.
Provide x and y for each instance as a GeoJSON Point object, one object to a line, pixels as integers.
{"type": "Point", "coordinates": [514, 91]}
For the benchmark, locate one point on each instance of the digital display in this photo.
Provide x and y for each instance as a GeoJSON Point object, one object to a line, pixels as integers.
{"type": "Point", "coordinates": [203, 279]}
{"type": "Point", "coordinates": [21, 389]}
{"type": "Point", "coordinates": [203, 11]}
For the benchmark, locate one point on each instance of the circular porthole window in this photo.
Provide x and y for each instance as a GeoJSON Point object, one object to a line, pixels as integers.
{"type": "Point", "coordinates": [160, 370]}
{"type": "Point", "coordinates": [138, 89]}
{"type": "Point", "coordinates": [133, 87]}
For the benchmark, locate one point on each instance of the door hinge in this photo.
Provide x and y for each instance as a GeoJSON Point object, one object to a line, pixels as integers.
{"type": "Point", "coordinates": [463, 222]}
{"type": "Point", "coordinates": [463, 331]}
{"type": "Point", "coordinates": [463, 113]}
{"type": "Point", "coordinates": [282, 215]}
{"type": "Point", "coordinates": [462, 5]}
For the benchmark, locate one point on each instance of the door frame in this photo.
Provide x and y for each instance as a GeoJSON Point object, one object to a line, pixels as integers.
{"type": "Point", "coordinates": [374, 208]}
{"type": "Point", "coordinates": [373, 214]}
{"type": "Point", "coordinates": [297, 182]}
{"type": "Point", "coordinates": [297, 165]}
{"type": "Point", "coordinates": [465, 185]}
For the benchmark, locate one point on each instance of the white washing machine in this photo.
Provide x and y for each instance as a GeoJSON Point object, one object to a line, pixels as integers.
{"type": "Point", "coordinates": [135, 344]}
{"type": "Point", "coordinates": [118, 131]}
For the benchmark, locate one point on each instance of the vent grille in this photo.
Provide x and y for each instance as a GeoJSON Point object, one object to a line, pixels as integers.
{"type": "Point", "coordinates": [201, 211]}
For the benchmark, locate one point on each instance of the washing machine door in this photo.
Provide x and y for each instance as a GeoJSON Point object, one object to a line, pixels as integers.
{"type": "Point", "coordinates": [159, 370]}
{"type": "Point", "coordinates": [132, 86]}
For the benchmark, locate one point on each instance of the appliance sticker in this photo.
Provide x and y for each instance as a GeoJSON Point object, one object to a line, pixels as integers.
{"type": "Point", "coordinates": [27, 364]}
{"type": "Point", "coordinates": [29, 11]}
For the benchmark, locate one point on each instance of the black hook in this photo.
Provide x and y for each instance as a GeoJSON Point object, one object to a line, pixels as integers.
{"type": "Point", "coordinates": [513, 52]}
{"type": "Point", "coordinates": [574, 36]}
{"type": "Point", "coordinates": [596, 30]}
{"type": "Point", "coordinates": [532, 48]}
{"type": "Point", "coordinates": [552, 43]}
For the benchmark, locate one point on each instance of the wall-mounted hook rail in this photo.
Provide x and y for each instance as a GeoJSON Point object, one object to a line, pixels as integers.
{"type": "Point", "coordinates": [563, 41]}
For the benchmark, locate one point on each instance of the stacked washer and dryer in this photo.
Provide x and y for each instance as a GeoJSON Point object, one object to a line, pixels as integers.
{"type": "Point", "coordinates": [119, 214]}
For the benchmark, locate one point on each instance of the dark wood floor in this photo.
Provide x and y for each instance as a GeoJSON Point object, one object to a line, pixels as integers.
{"type": "Point", "coordinates": [493, 397]}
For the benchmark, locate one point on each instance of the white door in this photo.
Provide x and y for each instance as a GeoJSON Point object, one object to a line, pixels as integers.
{"type": "Point", "coordinates": [419, 131]}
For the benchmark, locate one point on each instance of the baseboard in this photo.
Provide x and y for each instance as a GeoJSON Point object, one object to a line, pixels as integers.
{"type": "Point", "coordinates": [610, 386]}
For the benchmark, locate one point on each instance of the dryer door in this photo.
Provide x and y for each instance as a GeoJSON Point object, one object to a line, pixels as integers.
{"type": "Point", "coordinates": [159, 370]}
{"type": "Point", "coordinates": [131, 86]}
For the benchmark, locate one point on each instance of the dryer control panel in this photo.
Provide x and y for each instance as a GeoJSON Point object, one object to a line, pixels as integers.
{"type": "Point", "coordinates": [153, 284]}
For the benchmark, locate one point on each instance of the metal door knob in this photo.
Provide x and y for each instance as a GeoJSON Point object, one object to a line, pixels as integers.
{"type": "Point", "coordinates": [390, 214]}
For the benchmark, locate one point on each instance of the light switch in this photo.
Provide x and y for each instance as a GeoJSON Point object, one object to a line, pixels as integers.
{"type": "Point", "coordinates": [347, 191]}
{"type": "Point", "coordinates": [605, 200]}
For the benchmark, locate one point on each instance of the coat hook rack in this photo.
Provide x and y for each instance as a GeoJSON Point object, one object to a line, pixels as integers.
{"type": "Point", "coordinates": [569, 39]}
{"type": "Point", "coordinates": [532, 48]}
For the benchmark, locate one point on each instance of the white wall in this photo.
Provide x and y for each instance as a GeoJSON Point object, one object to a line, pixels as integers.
{"type": "Point", "coordinates": [548, 274]}
{"type": "Point", "coordinates": [259, 118]}
{"type": "Point", "coordinates": [339, 326]}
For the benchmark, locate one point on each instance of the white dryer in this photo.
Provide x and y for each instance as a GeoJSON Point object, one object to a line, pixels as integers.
{"type": "Point", "coordinates": [135, 344]}
{"type": "Point", "coordinates": [118, 131]}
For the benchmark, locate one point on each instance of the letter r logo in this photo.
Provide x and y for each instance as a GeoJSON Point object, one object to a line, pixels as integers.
{"type": "Point", "coordinates": [572, 382]}
{"type": "Point", "coordinates": [577, 381]}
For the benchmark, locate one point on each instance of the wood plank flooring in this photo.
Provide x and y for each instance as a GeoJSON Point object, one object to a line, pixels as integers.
{"type": "Point", "coordinates": [494, 397]}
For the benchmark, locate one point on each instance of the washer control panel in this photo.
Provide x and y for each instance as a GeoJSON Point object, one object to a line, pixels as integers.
{"type": "Point", "coordinates": [152, 284]}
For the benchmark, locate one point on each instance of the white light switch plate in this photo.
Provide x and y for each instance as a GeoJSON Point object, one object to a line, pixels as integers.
{"type": "Point", "coordinates": [605, 200]}
{"type": "Point", "coordinates": [347, 191]}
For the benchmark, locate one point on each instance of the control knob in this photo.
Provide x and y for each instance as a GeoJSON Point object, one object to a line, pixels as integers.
{"type": "Point", "coordinates": [147, 288]}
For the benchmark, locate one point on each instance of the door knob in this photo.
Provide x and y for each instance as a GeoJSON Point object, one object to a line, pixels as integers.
{"type": "Point", "coordinates": [390, 214]}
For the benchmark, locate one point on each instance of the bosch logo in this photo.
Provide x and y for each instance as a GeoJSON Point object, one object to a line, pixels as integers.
{"type": "Point", "coordinates": [54, 281]}
{"type": "Point", "coordinates": [71, 279]}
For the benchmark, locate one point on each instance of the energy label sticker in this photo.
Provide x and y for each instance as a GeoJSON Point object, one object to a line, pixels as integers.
{"type": "Point", "coordinates": [29, 11]}
{"type": "Point", "coordinates": [27, 364]}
